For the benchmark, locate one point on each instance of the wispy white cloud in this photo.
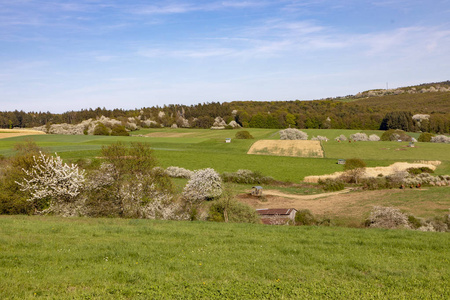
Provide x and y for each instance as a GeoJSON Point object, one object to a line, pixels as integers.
{"type": "Point", "coordinates": [185, 7]}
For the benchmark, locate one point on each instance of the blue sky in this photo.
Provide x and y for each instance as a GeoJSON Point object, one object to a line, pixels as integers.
{"type": "Point", "coordinates": [67, 55]}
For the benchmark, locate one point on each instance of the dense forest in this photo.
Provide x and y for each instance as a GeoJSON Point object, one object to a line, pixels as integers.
{"type": "Point", "coordinates": [421, 108]}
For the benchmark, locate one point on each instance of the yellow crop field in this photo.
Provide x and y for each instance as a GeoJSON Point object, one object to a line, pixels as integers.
{"type": "Point", "coordinates": [296, 148]}
{"type": "Point", "coordinates": [7, 133]}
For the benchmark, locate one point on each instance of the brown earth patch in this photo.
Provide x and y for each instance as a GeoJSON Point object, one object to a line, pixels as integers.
{"type": "Point", "coordinates": [297, 148]}
{"type": "Point", "coordinates": [168, 134]}
{"type": "Point", "coordinates": [8, 133]}
{"type": "Point", "coordinates": [355, 205]}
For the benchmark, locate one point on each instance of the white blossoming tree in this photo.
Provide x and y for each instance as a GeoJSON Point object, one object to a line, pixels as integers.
{"type": "Point", "coordinates": [293, 134]}
{"type": "Point", "coordinates": [359, 137]}
{"type": "Point", "coordinates": [51, 179]}
{"type": "Point", "coordinates": [205, 184]}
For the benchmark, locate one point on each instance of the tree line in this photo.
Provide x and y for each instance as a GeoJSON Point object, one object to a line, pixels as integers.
{"type": "Point", "coordinates": [385, 112]}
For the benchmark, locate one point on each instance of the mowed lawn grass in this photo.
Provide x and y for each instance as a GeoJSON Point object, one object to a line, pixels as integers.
{"type": "Point", "coordinates": [201, 148]}
{"type": "Point", "coordinates": [88, 258]}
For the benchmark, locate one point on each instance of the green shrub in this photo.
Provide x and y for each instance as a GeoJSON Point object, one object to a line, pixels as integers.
{"type": "Point", "coordinates": [246, 177]}
{"type": "Point", "coordinates": [425, 137]}
{"type": "Point", "coordinates": [305, 217]}
{"type": "Point", "coordinates": [119, 130]}
{"type": "Point", "coordinates": [414, 222]}
{"type": "Point", "coordinates": [237, 212]}
{"type": "Point", "coordinates": [243, 135]}
{"type": "Point", "coordinates": [101, 129]}
{"type": "Point", "coordinates": [378, 183]}
{"type": "Point", "coordinates": [417, 171]}
{"type": "Point", "coordinates": [354, 163]}
{"type": "Point", "coordinates": [395, 135]}
{"type": "Point", "coordinates": [331, 185]}
{"type": "Point", "coordinates": [12, 199]}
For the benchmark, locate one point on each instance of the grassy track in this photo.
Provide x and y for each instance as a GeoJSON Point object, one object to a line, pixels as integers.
{"type": "Point", "coordinates": [55, 258]}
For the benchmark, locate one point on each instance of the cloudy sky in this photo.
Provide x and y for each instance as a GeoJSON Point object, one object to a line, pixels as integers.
{"type": "Point", "coordinates": [67, 55]}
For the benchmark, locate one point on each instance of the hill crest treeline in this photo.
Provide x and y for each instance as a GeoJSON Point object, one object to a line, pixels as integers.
{"type": "Point", "coordinates": [366, 113]}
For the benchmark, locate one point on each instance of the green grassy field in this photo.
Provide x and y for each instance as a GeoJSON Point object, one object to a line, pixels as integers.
{"type": "Point", "coordinates": [87, 258]}
{"type": "Point", "coordinates": [201, 148]}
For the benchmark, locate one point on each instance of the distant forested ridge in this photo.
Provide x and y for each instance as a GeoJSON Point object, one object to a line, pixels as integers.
{"type": "Point", "coordinates": [421, 108]}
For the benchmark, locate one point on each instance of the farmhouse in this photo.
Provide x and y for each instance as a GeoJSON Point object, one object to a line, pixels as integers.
{"type": "Point", "coordinates": [277, 216]}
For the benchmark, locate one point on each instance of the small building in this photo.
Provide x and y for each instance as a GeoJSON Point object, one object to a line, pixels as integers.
{"type": "Point", "coordinates": [257, 191]}
{"type": "Point", "coordinates": [277, 216]}
{"type": "Point", "coordinates": [227, 140]}
{"type": "Point", "coordinates": [341, 162]}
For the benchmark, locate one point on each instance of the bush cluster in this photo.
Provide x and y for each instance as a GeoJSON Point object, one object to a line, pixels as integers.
{"type": "Point", "coordinates": [319, 138]}
{"type": "Point", "coordinates": [359, 137]}
{"type": "Point", "coordinates": [354, 163]}
{"type": "Point", "coordinates": [341, 138]}
{"type": "Point", "coordinates": [205, 184]}
{"type": "Point", "coordinates": [420, 170]}
{"type": "Point", "coordinates": [177, 172]}
{"type": "Point", "coordinates": [395, 135]}
{"type": "Point", "coordinates": [441, 139]}
{"type": "Point", "coordinates": [425, 137]}
{"type": "Point", "coordinates": [393, 218]}
{"type": "Point", "coordinates": [246, 177]}
{"type": "Point", "coordinates": [243, 135]}
{"type": "Point", "coordinates": [331, 185]}
{"type": "Point", "coordinates": [235, 212]}
{"type": "Point", "coordinates": [387, 217]}
{"type": "Point", "coordinates": [293, 134]}
{"type": "Point", "coordinates": [305, 217]}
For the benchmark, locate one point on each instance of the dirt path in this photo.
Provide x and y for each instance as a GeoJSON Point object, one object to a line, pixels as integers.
{"type": "Point", "coordinates": [303, 197]}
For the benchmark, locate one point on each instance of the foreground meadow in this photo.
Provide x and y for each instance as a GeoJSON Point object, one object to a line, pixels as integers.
{"type": "Point", "coordinates": [73, 258]}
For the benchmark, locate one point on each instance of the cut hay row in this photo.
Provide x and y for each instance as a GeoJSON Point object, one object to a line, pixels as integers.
{"type": "Point", "coordinates": [295, 148]}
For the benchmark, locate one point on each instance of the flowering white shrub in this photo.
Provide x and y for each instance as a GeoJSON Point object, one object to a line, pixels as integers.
{"type": "Point", "coordinates": [441, 139]}
{"type": "Point", "coordinates": [182, 122]}
{"type": "Point", "coordinates": [341, 138]}
{"type": "Point", "coordinates": [219, 122]}
{"type": "Point", "coordinates": [293, 134]}
{"type": "Point", "coordinates": [319, 138]}
{"type": "Point", "coordinates": [234, 124]}
{"type": "Point", "coordinates": [246, 176]}
{"type": "Point", "coordinates": [51, 178]}
{"type": "Point", "coordinates": [389, 218]}
{"type": "Point", "coordinates": [359, 137]}
{"type": "Point", "coordinates": [131, 126]}
{"type": "Point", "coordinates": [178, 172]}
{"type": "Point", "coordinates": [204, 184]}
{"type": "Point", "coordinates": [104, 176]}
{"type": "Point", "coordinates": [149, 123]}
{"type": "Point", "coordinates": [374, 138]}
{"type": "Point", "coordinates": [427, 227]}
{"type": "Point", "coordinates": [163, 208]}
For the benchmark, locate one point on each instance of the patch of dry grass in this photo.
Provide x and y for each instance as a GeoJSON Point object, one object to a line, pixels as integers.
{"type": "Point", "coordinates": [8, 133]}
{"type": "Point", "coordinates": [296, 148]}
